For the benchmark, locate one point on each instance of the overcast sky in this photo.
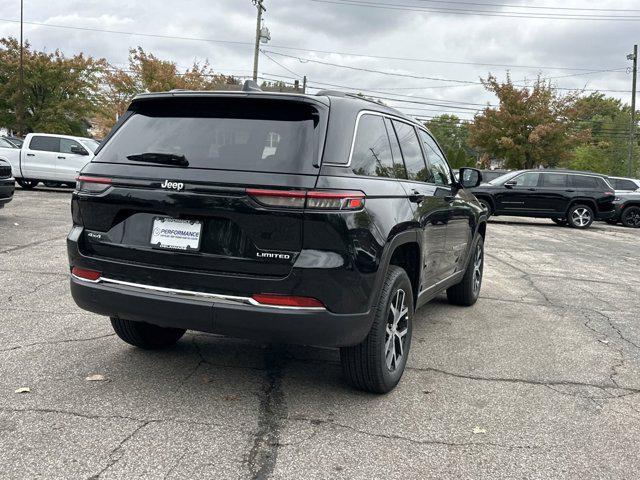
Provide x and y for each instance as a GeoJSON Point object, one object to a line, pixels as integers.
{"type": "Point", "coordinates": [532, 45]}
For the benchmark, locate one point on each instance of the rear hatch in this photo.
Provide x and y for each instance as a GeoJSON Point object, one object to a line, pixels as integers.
{"type": "Point", "coordinates": [181, 184]}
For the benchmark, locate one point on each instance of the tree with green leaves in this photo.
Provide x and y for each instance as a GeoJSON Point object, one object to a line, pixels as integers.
{"type": "Point", "coordinates": [59, 91]}
{"type": "Point", "coordinates": [605, 121]}
{"type": "Point", "coordinates": [453, 136]}
{"type": "Point", "coordinates": [531, 126]}
{"type": "Point", "coordinates": [148, 73]}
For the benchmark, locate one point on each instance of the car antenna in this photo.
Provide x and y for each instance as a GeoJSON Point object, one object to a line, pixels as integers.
{"type": "Point", "coordinates": [251, 86]}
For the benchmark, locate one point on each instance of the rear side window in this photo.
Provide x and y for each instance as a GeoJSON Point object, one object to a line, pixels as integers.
{"type": "Point", "coordinates": [45, 144]}
{"type": "Point", "coordinates": [558, 180]}
{"type": "Point", "coordinates": [623, 184]}
{"type": "Point", "coordinates": [371, 150]}
{"type": "Point", "coordinates": [411, 152]}
{"type": "Point", "coordinates": [584, 181]}
{"type": "Point", "coordinates": [233, 133]}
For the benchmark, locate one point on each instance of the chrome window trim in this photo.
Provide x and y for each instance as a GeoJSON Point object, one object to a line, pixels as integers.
{"type": "Point", "coordinates": [188, 294]}
{"type": "Point", "coordinates": [355, 131]}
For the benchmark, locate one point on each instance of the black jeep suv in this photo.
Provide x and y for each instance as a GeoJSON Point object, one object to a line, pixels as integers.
{"type": "Point", "coordinates": [319, 220]}
{"type": "Point", "coordinates": [564, 196]}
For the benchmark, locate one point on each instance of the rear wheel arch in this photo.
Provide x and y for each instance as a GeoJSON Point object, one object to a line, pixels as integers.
{"type": "Point", "coordinates": [407, 256]}
{"type": "Point", "coordinates": [582, 201]}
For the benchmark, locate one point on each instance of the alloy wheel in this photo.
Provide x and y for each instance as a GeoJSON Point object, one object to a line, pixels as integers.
{"type": "Point", "coordinates": [632, 218]}
{"type": "Point", "coordinates": [477, 269]}
{"type": "Point", "coordinates": [581, 217]}
{"type": "Point", "coordinates": [396, 331]}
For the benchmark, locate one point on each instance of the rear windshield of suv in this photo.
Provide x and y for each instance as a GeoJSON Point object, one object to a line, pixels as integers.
{"type": "Point", "coordinates": [259, 135]}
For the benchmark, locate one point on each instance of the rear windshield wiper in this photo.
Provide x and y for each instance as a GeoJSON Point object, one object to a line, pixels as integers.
{"type": "Point", "coordinates": [163, 158]}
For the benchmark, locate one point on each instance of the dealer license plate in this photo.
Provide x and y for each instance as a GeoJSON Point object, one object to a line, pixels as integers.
{"type": "Point", "coordinates": [176, 234]}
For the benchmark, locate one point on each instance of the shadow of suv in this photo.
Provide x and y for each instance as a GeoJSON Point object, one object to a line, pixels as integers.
{"type": "Point", "coordinates": [319, 220]}
{"type": "Point", "coordinates": [564, 196]}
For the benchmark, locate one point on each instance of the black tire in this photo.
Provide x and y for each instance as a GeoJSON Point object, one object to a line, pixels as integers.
{"type": "Point", "coordinates": [487, 206]}
{"type": "Point", "coordinates": [611, 221]}
{"type": "Point", "coordinates": [52, 184]}
{"type": "Point", "coordinates": [631, 217]}
{"type": "Point", "coordinates": [580, 216]}
{"type": "Point", "coordinates": [559, 221]}
{"type": "Point", "coordinates": [365, 365]}
{"type": "Point", "coordinates": [466, 292]}
{"type": "Point", "coordinates": [26, 183]}
{"type": "Point", "coordinates": [145, 335]}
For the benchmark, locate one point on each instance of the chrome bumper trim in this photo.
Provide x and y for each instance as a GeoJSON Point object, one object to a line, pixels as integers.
{"type": "Point", "coordinates": [188, 294]}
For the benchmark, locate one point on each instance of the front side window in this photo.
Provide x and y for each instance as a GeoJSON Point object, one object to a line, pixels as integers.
{"type": "Point", "coordinates": [6, 143]}
{"type": "Point", "coordinates": [45, 144]}
{"type": "Point", "coordinates": [411, 152]}
{"type": "Point", "coordinates": [623, 184]}
{"type": "Point", "coordinates": [371, 149]}
{"type": "Point", "coordinates": [90, 144]}
{"type": "Point", "coordinates": [554, 180]}
{"type": "Point", "coordinates": [67, 146]}
{"type": "Point", "coordinates": [529, 179]}
{"type": "Point", "coordinates": [439, 171]}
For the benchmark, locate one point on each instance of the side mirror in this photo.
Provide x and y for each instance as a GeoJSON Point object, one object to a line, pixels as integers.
{"type": "Point", "coordinates": [78, 150]}
{"type": "Point", "coordinates": [469, 177]}
{"type": "Point", "coordinates": [511, 184]}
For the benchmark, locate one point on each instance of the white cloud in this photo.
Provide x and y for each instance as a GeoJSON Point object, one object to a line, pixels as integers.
{"type": "Point", "coordinates": [307, 24]}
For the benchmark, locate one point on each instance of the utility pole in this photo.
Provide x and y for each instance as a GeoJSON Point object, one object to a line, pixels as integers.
{"type": "Point", "coordinates": [20, 105]}
{"type": "Point", "coordinates": [304, 84]}
{"type": "Point", "coordinates": [632, 129]}
{"type": "Point", "coordinates": [256, 53]}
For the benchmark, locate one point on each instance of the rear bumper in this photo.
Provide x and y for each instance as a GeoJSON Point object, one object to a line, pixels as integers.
{"type": "Point", "coordinates": [7, 187]}
{"type": "Point", "coordinates": [221, 315]}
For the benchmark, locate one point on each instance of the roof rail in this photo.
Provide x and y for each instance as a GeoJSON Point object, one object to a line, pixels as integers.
{"type": "Point", "coordinates": [338, 93]}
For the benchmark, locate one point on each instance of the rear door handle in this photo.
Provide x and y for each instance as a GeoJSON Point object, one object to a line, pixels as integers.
{"type": "Point", "coordinates": [531, 189]}
{"type": "Point", "coordinates": [62, 157]}
{"type": "Point", "coordinates": [570, 190]}
{"type": "Point", "coordinates": [31, 154]}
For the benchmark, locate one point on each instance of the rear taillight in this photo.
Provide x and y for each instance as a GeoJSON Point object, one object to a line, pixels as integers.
{"type": "Point", "coordinates": [85, 274]}
{"type": "Point", "coordinates": [314, 199]}
{"type": "Point", "coordinates": [86, 184]}
{"type": "Point", "coordinates": [276, 300]}
{"type": "Point", "coordinates": [278, 198]}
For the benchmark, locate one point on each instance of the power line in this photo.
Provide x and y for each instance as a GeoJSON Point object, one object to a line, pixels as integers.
{"type": "Point", "coordinates": [421, 77]}
{"type": "Point", "coordinates": [510, 5]}
{"type": "Point", "coordinates": [485, 13]}
{"type": "Point", "coordinates": [310, 50]}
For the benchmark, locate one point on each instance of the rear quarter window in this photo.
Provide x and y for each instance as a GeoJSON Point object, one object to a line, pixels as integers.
{"type": "Point", "coordinates": [371, 154]}
{"type": "Point", "coordinates": [262, 135]}
{"type": "Point", "coordinates": [585, 181]}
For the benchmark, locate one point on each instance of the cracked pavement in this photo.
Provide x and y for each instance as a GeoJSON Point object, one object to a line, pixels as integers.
{"type": "Point", "coordinates": [539, 380]}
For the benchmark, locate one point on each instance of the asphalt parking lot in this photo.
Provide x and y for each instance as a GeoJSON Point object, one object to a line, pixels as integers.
{"type": "Point", "coordinates": [540, 379]}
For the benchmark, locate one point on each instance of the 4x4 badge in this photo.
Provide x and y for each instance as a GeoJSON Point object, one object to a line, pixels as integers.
{"type": "Point", "coordinates": [172, 185]}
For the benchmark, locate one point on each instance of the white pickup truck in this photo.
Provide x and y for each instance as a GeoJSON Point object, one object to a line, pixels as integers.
{"type": "Point", "coordinates": [52, 159]}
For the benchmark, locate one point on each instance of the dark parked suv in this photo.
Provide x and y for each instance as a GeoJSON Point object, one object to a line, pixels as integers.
{"type": "Point", "coordinates": [319, 220]}
{"type": "Point", "coordinates": [564, 196]}
{"type": "Point", "coordinates": [7, 183]}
